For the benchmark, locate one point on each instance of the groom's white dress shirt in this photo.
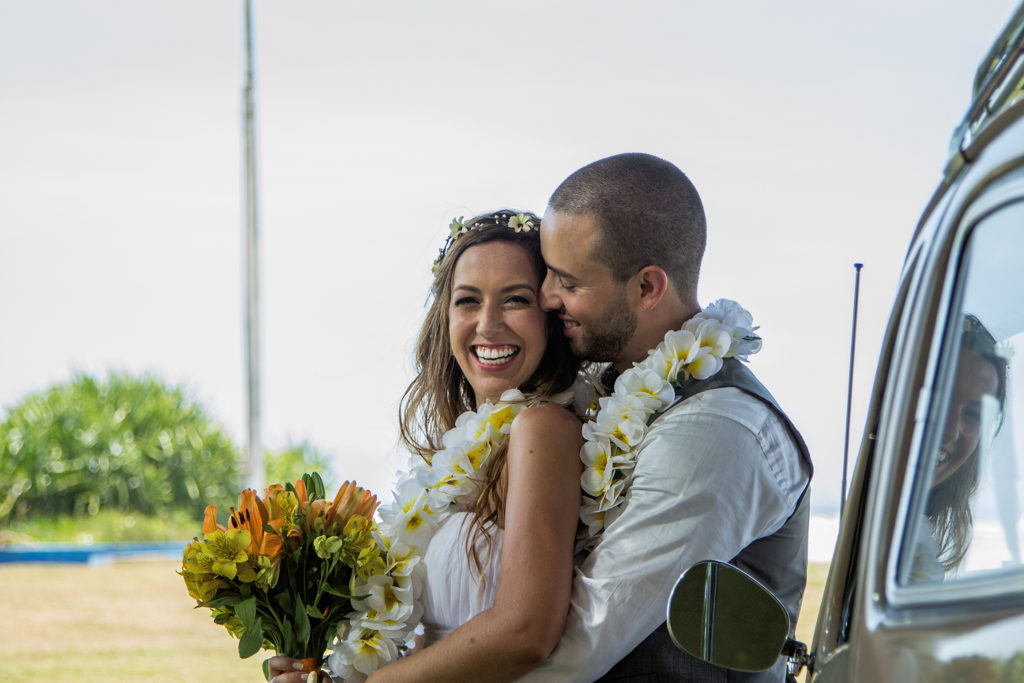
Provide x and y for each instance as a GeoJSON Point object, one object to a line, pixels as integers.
{"type": "Point", "coordinates": [715, 473]}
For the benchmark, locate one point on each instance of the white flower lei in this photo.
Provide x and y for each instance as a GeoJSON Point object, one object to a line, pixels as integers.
{"type": "Point", "coordinates": [424, 497]}
{"type": "Point", "coordinates": [722, 330]}
{"type": "Point", "coordinates": [427, 494]}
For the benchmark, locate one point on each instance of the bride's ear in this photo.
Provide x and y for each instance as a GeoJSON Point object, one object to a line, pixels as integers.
{"type": "Point", "coordinates": [653, 284]}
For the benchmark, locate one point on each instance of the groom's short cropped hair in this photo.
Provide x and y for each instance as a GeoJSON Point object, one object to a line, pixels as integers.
{"type": "Point", "coordinates": [648, 213]}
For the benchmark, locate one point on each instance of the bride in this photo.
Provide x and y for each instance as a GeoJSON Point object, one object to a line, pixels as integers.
{"type": "Point", "coordinates": [499, 570]}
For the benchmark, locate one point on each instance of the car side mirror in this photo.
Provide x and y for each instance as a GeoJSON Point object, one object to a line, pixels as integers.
{"type": "Point", "coordinates": [722, 615]}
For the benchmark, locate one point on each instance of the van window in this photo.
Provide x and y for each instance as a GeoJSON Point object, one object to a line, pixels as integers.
{"type": "Point", "coordinates": [967, 502]}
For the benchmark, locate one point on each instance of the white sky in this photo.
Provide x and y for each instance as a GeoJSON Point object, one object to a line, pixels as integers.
{"type": "Point", "coordinates": [815, 134]}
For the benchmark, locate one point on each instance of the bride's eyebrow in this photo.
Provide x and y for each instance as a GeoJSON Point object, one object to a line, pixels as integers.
{"type": "Point", "coordinates": [521, 285]}
{"type": "Point", "coordinates": [503, 290]}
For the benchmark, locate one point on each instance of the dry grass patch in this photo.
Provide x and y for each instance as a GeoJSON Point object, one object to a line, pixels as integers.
{"type": "Point", "coordinates": [121, 622]}
{"type": "Point", "coordinates": [134, 621]}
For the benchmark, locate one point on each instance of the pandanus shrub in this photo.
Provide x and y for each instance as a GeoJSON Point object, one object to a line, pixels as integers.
{"type": "Point", "coordinates": [126, 443]}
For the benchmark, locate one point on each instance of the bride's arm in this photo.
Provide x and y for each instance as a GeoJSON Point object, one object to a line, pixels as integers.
{"type": "Point", "coordinates": [532, 597]}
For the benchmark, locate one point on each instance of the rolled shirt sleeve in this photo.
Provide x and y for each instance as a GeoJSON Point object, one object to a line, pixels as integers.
{"type": "Point", "coordinates": [714, 473]}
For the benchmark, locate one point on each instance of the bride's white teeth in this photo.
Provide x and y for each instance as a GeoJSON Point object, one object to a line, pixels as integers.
{"type": "Point", "coordinates": [494, 355]}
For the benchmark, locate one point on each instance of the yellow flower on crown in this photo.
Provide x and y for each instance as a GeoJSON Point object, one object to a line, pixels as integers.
{"type": "Point", "coordinates": [457, 227]}
{"type": "Point", "coordinates": [521, 222]}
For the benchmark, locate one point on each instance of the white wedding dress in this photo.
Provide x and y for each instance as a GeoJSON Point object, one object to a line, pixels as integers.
{"type": "Point", "coordinates": [453, 593]}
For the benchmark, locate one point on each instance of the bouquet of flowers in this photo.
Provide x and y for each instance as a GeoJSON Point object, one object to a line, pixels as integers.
{"type": "Point", "coordinates": [293, 570]}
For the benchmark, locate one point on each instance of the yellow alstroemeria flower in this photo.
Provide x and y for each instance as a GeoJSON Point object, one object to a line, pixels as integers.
{"type": "Point", "coordinates": [268, 573]}
{"type": "Point", "coordinates": [226, 549]}
{"type": "Point", "coordinates": [325, 546]}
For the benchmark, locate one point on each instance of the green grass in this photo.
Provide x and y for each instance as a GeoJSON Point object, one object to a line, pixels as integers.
{"type": "Point", "coordinates": [134, 621]}
{"type": "Point", "coordinates": [104, 527]}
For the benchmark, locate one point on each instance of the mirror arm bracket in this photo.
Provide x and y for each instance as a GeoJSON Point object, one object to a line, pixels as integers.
{"type": "Point", "coordinates": [796, 656]}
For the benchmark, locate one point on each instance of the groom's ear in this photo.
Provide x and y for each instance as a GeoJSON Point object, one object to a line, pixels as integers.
{"type": "Point", "coordinates": [653, 281]}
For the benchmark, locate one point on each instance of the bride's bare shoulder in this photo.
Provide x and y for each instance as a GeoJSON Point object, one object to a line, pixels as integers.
{"type": "Point", "coordinates": [546, 418]}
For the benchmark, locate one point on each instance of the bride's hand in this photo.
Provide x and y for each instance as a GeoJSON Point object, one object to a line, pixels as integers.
{"type": "Point", "coordinates": [287, 670]}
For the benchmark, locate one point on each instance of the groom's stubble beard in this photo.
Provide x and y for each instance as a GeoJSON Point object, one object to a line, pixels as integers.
{"type": "Point", "coordinates": [604, 340]}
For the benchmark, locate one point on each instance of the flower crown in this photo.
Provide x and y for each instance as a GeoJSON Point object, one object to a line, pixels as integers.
{"type": "Point", "coordinates": [517, 222]}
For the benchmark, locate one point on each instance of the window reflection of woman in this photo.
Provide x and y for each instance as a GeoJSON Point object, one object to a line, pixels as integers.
{"type": "Point", "coordinates": [980, 372]}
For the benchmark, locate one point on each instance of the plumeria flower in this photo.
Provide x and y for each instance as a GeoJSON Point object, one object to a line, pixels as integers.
{"type": "Point", "coordinates": [597, 473]}
{"type": "Point", "coordinates": [360, 653]}
{"type": "Point", "coordinates": [457, 227]}
{"type": "Point", "coordinates": [743, 346]}
{"type": "Point", "coordinates": [682, 347]}
{"type": "Point", "coordinates": [410, 519]}
{"type": "Point", "coordinates": [592, 516]}
{"type": "Point", "coordinates": [624, 406]}
{"type": "Point", "coordinates": [715, 336]}
{"type": "Point", "coordinates": [741, 322]}
{"type": "Point", "coordinates": [618, 424]}
{"type": "Point", "coordinates": [449, 478]}
{"type": "Point", "coordinates": [729, 313]}
{"type": "Point", "coordinates": [521, 223]}
{"type": "Point", "coordinates": [384, 605]}
{"type": "Point", "coordinates": [647, 386]}
{"type": "Point", "coordinates": [706, 365]}
{"type": "Point", "coordinates": [408, 576]}
{"type": "Point", "coordinates": [615, 494]}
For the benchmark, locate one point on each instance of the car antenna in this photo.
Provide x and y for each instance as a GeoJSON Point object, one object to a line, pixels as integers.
{"type": "Point", "coordinates": [849, 387]}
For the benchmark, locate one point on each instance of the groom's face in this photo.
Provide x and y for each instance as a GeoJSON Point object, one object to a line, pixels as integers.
{"type": "Point", "coordinates": [593, 306]}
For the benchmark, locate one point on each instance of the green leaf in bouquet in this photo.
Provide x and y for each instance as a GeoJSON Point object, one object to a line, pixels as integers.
{"type": "Point", "coordinates": [301, 623]}
{"type": "Point", "coordinates": [252, 640]}
{"type": "Point", "coordinates": [246, 612]}
{"type": "Point", "coordinates": [314, 486]}
{"type": "Point", "coordinates": [313, 612]}
{"type": "Point", "coordinates": [288, 637]}
{"type": "Point", "coordinates": [221, 601]}
{"type": "Point", "coordinates": [266, 668]}
{"type": "Point", "coordinates": [284, 600]}
{"type": "Point", "coordinates": [341, 594]}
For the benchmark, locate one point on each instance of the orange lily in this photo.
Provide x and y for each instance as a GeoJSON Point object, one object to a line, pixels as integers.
{"type": "Point", "coordinates": [210, 520]}
{"type": "Point", "coordinates": [350, 501]}
{"type": "Point", "coordinates": [251, 516]}
{"type": "Point", "coordinates": [300, 492]}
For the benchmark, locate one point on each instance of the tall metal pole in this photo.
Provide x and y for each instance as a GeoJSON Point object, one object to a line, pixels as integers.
{"type": "Point", "coordinates": [254, 470]}
{"type": "Point", "coordinates": [849, 387]}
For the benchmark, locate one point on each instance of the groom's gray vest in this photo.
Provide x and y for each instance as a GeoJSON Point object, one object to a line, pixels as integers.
{"type": "Point", "coordinates": [778, 561]}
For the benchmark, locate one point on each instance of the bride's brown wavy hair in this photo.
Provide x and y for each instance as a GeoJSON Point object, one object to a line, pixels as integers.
{"type": "Point", "coordinates": [440, 392]}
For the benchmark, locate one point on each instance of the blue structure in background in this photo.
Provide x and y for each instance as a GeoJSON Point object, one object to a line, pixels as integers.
{"type": "Point", "coordinates": [97, 554]}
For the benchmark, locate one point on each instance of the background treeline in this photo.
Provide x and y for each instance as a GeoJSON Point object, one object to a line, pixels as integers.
{"type": "Point", "coordinates": [125, 445]}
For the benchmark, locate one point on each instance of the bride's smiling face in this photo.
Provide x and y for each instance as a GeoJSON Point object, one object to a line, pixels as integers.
{"type": "Point", "coordinates": [496, 326]}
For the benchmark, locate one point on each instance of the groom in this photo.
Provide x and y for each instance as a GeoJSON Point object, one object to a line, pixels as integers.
{"type": "Point", "coordinates": [721, 474]}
